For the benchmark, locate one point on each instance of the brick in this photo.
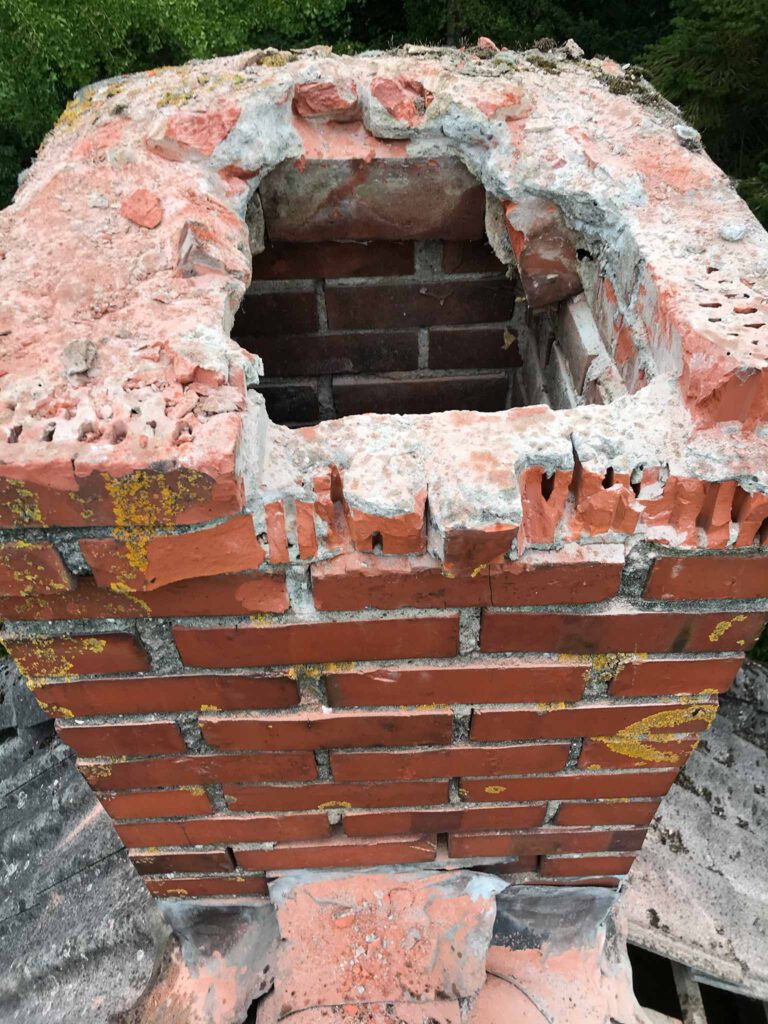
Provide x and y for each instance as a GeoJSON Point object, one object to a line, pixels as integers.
{"type": "Point", "coordinates": [200, 885]}
{"type": "Point", "coordinates": [657, 677]}
{"type": "Point", "coordinates": [282, 312]}
{"type": "Point", "coordinates": [650, 753]}
{"type": "Point", "coordinates": [157, 803]}
{"type": "Point", "coordinates": [300, 355]}
{"type": "Point", "coordinates": [312, 731]}
{"type": "Point", "coordinates": [475, 257]}
{"type": "Point", "coordinates": [545, 255]}
{"type": "Point", "coordinates": [31, 569]}
{"type": "Point", "coordinates": [358, 195]}
{"type": "Point", "coordinates": [328, 795]}
{"type": "Point", "coordinates": [565, 867]}
{"type": "Point", "coordinates": [376, 766]}
{"type": "Point", "coordinates": [483, 392]}
{"type": "Point", "coordinates": [230, 547]}
{"type": "Point", "coordinates": [122, 738]}
{"type": "Point", "coordinates": [579, 339]}
{"type": "Point", "coordinates": [481, 682]}
{"type": "Point", "coordinates": [226, 829]}
{"type": "Point", "coordinates": [317, 642]}
{"type": "Point", "coordinates": [702, 578]}
{"type": "Point", "coordinates": [618, 812]}
{"type": "Point", "coordinates": [200, 769]}
{"type": "Point", "coordinates": [180, 860]}
{"type": "Point", "coordinates": [242, 593]}
{"type": "Point", "coordinates": [577, 574]}
{"type": "Point", "coordinates": [339, 853]}
{"type": "Point", "coordinates": [359, 580]}
{"type": "Point", "coordinates": [570, 786]}
{"type": "Point", "coordinates": [467, 348]}
{"type": "Point", "coordinates": [405, 304]}
{"type": "Point", "coordinates": [607, 632]}
{"type": "Point", "coordinates": [78, 655]}
{"type": "Point", "coordinates": [592, 719]}
{"type": "Point", "coordinates": [545, 841]}
{"type": "Point", "coordinates": [442, 819]}
{"type": "Point", "coordinates": [312, 260]}
{"type": "Point", "coordinates": [296, 404]}
{"type": "Point", "coordinates": [146, 694]}
{"type": "Point", "coordinates": [593, 881]}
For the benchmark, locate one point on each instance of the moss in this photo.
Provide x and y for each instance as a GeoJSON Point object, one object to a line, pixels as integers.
{"type": "Point", "coordinates": [545, 65]}
{"type": "Point", "coordinates": [175, 99]}
{"type": "Point", "coordinates": [277, 60]}
{"type": "Point", "coordinates": [75, 109]}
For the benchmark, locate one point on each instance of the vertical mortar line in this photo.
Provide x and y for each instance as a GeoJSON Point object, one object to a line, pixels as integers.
{"type": "Point", "coordinates": [453, 791]}
{"type": "Point", "coordinates": [157, 639]}
{"type": "Point", "coordinates": [322, 312]}
{"type": "Point", "coordinates": [189, 727]}
{"type": "Point", "coordinates": [216, 794]}
{"type": "Point", "coordinates": [323, 765]}
{"type": "Point", "coordinates": [575, 753]}
{"type": "Point", "coordinates": [553, 806]}
{"type": "Point", "coordinates": [423, 351]}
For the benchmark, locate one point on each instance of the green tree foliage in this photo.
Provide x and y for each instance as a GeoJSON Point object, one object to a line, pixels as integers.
{"type": "Point", "coordinates": [50, 48]}
{"type": "Point", "coordinates": [714, 64]}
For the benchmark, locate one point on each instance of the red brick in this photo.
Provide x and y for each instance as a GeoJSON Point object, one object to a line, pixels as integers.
{"type": "Point", "coordinates": [481, 682]}
{"type": "Point", "coordinates": [290, 312]}
{"type": "Point", "coordinates": [339, 853]}
{"type": "Point", "coordinates": [484, 301]}
{"type": "Point", "coordinates": [200, 769]}
{"type": "Point", "coordinates": [191, 497]}
{"type": "Point", "coordinates": [650, 678]}
{"type": "Point", "coordinates": [199, 885]}
{"type": "Point", "coordinates": [144, 694]}
{"type": "Point", "coordinates": [242, 593]}
{"type": "Point", "coordinates": [158, 803]}
{"type": "Point", "coordinates": [317, 642]}
{"type": "Point", "coordinates": [442, 819]}
{"type": "Point", "coordinates": [122, 738]}
{"type": "Point", "coordinates": [434, 764]}
{"type": "Point", "coordinates": [612, 812]}
{"type": "Point", "coordinates": [31, 569]}
{"type": "Point", "coordinates": [592, 719]}
{"type": "Point", "coordinates": [226, 829]}
{"type": "Point", "coordinates": [230, 547]}
{"type": "Point", "coordinates": [358, 580]}
{"type": "Point", "coordinates": [578, 574]}
{"type": "Point", "coordinates": [475, 257]}
{"type": "Point", "coordinates": [608, 632]}
{"type": "Point", "coordinates": [312, 260]}
{"type": "Point", "coordinates": [653, 753]}
{"type": "Point", "coordinates": [483, 392]}
{"type": "Point", "coordinates": [78, 655]}
{"type": "Point", "coordinates": [180, 860]}
{"type": "Point", "coordinates": [297, 355]}
{"type": "Point", "coordinates": [312, 731]}
{"type": "Point", "coordinates": [544, 841]}
{"type": "Point", "coordinates": [713, 578]}
{"type": "Point", "coordinates": [472, 348]}
{"type": "Point", "coordinates": [371, 192]}
{"type": "Point", "coordinates": [581, 866]}
{"type": "Point", "coordinates": [327, 795]}
{"type": "Point", "coordinates": [571, 786]}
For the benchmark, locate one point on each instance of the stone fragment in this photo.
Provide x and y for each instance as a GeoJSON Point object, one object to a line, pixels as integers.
{"type": "Point", "coordinates": [398, 936]}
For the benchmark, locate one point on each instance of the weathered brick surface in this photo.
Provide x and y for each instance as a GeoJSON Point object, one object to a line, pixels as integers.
{"type": "Point", "coordinates": [249, 646]}
{"type": "Point", "coordinates": [499, 571]}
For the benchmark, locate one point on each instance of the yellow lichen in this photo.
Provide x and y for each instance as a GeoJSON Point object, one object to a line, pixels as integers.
{"type": "Point", "coordinates": [494, 790]}
{"type": "Point", "coordinates": [75, 109]}
{"type": "Point", "coordinates": [722, 628]}
{"type": "Point", "coordinates": [478, 569]}
{"type": "Point", "coordinates": [209, 707]}
{"type": "Point", "coordinates": [330, 804]}
{"type": "Point", "coordinates": [636, 742]}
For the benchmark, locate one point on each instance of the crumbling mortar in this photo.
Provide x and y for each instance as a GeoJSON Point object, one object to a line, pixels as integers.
{"type": "Point", "coordinates": [157, 639]}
